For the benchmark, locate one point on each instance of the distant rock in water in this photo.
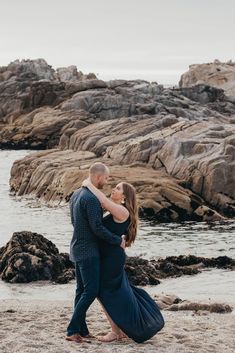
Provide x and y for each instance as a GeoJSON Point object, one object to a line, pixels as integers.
{"type": "Point", "coordinates": [141, 272]}
{"type": "Point", "coordinates": [148, 272]}
{"type": "Point", "coordinates": [184, 261]}
{"type": "Point", "coordinates": [31, 257]}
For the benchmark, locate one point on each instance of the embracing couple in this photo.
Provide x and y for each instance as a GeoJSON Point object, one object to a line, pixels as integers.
{"type": "Point", "coordinates": [98, 251]}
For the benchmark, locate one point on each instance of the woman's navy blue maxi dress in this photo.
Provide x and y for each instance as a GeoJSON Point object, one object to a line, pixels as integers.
{"type": "Point", "coordinates": [131, 308]}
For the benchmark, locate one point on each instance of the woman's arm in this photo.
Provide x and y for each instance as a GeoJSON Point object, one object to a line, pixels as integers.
{"type": "Point", "coordinates": [118, 211]}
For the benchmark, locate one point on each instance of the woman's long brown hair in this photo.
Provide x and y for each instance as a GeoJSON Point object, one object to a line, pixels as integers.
{"type": "Point", "coordinates": [131, 205]}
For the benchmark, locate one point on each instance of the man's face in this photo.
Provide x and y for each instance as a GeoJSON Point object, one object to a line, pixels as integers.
{"type": "Point", "coordinates": [102, 180]}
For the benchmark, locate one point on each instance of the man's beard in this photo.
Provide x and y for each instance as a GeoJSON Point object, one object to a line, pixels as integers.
{"type": "Point", "coordinates": [100, 186]}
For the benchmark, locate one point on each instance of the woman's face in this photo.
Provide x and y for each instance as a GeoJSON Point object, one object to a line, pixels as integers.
{"type": "Point", "coordinates": [117, 193]}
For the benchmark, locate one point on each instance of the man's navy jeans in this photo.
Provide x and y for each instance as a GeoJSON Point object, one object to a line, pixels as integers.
{"type": "Point", "coordinates": [88, 280]}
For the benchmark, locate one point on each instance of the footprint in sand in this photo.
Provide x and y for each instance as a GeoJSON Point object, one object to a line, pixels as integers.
{"type": "Point", "coordinates": [179, 336]}
{"type": "Point", "coordinates": [63, 315]}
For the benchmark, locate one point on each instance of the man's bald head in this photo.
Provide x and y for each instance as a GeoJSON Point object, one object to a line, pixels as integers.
{"type": "Point", "coordinates": [98, 168]}
{"type": "Point", "coordinates": [99, 174]}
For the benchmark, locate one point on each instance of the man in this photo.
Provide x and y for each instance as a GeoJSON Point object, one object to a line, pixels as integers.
{"type": "Point", "coordinates": [86, 217]}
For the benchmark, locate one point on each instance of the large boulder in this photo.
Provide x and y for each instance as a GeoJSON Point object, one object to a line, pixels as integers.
{"type": "Point", "coordinates": [42, 128]}
{"type": "Point", "coordinates": [216, 74]}
{"type": "Point", "coordinates": [31, 257]}
{"type": "Point", "coordinates": [218, 308]}
{"type": "Point", "coordinates": [26, 85]}
{"type": "Point", "coordinates": [200, 153]}
{"type": "Point", "coordinates": [29, 84]}
{"type": "Point", "coordinates": [53, 175]}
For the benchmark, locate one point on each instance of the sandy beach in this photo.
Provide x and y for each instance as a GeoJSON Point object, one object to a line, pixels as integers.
{"type": "Point", "coordinates": [40, 326]}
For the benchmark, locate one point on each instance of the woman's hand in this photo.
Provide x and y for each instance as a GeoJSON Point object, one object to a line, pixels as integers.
{"type": "Point", "coordinates": [123, 243]}
{"type": "Point", "coordinates": [86, 182]}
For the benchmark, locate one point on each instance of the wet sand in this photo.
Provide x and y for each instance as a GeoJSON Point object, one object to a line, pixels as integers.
{"type": "Point", "coordinates": [40, 326]}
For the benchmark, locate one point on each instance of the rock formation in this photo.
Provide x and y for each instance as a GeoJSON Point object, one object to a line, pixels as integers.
{"type": "Point", "coordinates": [211, 308]}
{"type": "Point", "coordinates": [53, 175]}
{"type": "Point", "coordinates": [30, 84]}
{"type": "Point", "coordinates": [216, 74]}
{"type": "Point", "coordinates": [31, 257]}
{"type": "Point", "coordinates": [184, 137]}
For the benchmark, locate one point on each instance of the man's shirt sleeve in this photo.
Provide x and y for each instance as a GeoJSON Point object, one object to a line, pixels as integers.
{"type": "Point", "coordinates": [95, 221]}
{"type": "Point", "coordinates": [71, 209]}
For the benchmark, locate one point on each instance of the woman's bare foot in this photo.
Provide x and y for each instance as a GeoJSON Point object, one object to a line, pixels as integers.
{"type": "Point", "coordinates": [110, 337]}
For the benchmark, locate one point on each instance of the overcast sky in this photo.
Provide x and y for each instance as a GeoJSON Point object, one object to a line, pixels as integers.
{"type": "Point", "coordinates": [150, 39]}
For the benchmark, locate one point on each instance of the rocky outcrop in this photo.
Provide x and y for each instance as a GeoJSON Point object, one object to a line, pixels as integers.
{"type": "Point", "coordinates": [186, 135]}
{"type": "Point", "coordinates": [42, 128]}
{"type": "Point", "coordinates": [144, 272]}
{"type": "Point", "coordinates": [116, 99]}
{"type": "Point", "coordinates": [141, 272]}
{"type": "Point", "coordinates": [166, 300]}
{"type": "Point", "coordinates": [216, 74]}
{"type": "Point", "coordinates": [53, 175]}
{"type": "Point", "coordinates": [171, 302]}
{"type": "Point", "coordinates": [71, 74]}
{"type": "Point", "coordinates": [31, 257]}
{"type": "Point", "coordinates": [40, 70]}
{"type": "Point", "coordinates": [195, 164]}
{"type": "Point", "coordinates": [200, 154]}
{"type": "Point", "coordinates": [201, 307]}
{"type": "Point", "coordinates": [30, 84]}
{"type": "Point", "coordinates": [196, 262]}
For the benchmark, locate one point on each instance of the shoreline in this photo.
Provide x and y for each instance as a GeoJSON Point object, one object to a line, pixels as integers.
{"type": "Point", "coordinates": [202, 287]}
{"type": "Point", "coordinates": [37, 325]}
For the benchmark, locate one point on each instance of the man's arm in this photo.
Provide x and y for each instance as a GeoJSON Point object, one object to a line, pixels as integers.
{"type": "Point", "coordinates": [95, 221]}
{"type": "Point", "coordinates": [71, 209]}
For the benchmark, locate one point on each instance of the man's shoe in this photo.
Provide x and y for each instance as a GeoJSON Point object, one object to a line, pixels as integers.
{"type": "Point", "coordinates": [75, 338]}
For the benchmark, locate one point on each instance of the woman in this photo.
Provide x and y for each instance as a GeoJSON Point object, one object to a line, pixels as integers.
{"type": "Point", "coordinates": [130, 310]}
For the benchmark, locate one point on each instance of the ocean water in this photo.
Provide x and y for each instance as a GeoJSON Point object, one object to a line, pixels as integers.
{"type": "Point", "coordinates": [153, 241]}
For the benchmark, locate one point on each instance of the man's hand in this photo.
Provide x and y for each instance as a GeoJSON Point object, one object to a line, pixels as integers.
{"type": "Point", "coordinates": [123, 243]}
